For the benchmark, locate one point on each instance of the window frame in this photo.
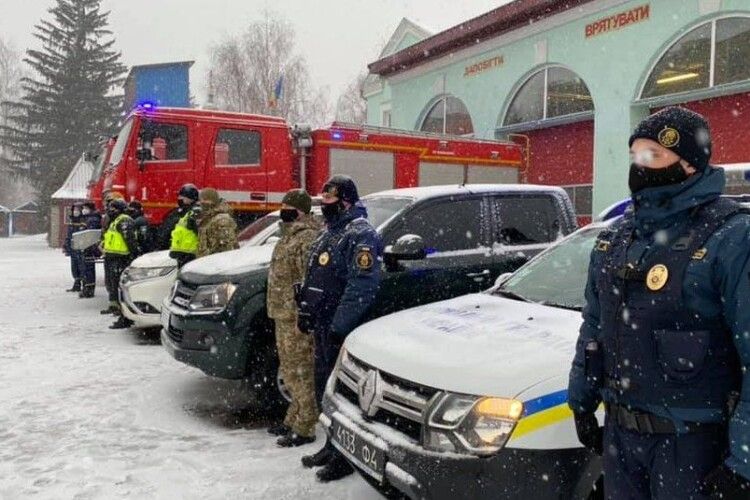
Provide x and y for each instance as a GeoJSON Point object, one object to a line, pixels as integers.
{"type": "Point", "coordinates": [420, 206]}
{"type": "Point", "coordinates": [444, 100]}
{"type": "Point", "coordinates": [239, 165]}
{"type": "Point", "coordinates": [497, 218]}
{"type": "Point", "coordinates": [186, 159]}
{"type": "Point", "coordinates": [546, 120]}
{"type": "Point", "coordinates": [712, 90]}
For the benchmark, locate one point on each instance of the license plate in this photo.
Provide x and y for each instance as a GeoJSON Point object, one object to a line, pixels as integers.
{"type": "Point", "coordinates": [165, 318]}
{"type": "Point", "coordinates": [365, 455]}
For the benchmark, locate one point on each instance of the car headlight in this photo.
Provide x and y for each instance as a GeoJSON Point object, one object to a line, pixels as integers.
{"type": "Point", "coordinates": [213, 298]}
{"type": "Point", "coordinates": [471, 424]}
{"type": "Point", "coordinates": [145, 273]}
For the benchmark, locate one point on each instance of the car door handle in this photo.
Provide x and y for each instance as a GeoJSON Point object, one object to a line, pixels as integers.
{"type": "Point", "coordinates": [480, 276]}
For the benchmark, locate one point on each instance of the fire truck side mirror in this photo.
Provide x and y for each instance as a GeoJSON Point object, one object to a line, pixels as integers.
{"type": "Point", "coordinates": [143, 155]}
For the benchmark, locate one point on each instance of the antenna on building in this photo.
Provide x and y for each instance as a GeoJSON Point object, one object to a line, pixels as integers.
{"type": "Point", "coordinates": [210, 98]}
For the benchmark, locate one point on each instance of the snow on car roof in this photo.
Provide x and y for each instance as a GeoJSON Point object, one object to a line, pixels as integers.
{"type": "Point", "coordinates": [425, 192]}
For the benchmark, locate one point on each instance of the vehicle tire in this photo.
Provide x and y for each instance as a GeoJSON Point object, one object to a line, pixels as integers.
{"type": "Point", "coordinates": [263, 375]}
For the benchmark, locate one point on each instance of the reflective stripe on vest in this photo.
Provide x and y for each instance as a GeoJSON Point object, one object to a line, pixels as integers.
{"type": "Point", "coordinates": [184, 240]}
{"type": "Point", "coordinates": [114, 241]}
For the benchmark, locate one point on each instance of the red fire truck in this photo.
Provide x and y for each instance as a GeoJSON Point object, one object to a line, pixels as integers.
{"type": "Point", "coordinates": [254, 160]}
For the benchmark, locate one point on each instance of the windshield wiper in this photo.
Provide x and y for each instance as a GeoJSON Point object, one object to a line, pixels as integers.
{"type": "Point", "coordinates": [511, 295]}
{"type": "Point", "coordinates": [560, 306]}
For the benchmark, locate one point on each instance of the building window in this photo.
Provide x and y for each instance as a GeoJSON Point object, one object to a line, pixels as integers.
{"type": "Point", "coordinates": [582, 198]}
{"type": "Point", "coordinates": [448, 116]}
{"type": "Point", "coordinates": [385, 118]}
{"type": "Point", "coordinates": [710, 54]}
{"type": "Point", "coordinates": [549, 93]}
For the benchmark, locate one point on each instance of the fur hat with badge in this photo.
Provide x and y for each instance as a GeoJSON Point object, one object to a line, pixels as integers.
{"type": "Point", "coordinates": [680, 130]}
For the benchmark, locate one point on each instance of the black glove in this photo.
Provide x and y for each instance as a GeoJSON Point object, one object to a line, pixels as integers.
{"type": "Point", "coordinates": [305, 321]}
{"type": "Point", "coordinates": [724, 483]}
{"type": "Point", "coordinates": [589, 432]}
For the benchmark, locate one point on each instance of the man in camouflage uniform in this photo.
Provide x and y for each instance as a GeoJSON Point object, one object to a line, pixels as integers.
{"type": "Point", "coordinates": [217, 230]}
{"type": "Point", "coordinates": [299, 230]}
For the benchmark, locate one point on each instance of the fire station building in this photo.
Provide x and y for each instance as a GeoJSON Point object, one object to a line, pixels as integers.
{"type": "Point", "coordinates": [570, 79]}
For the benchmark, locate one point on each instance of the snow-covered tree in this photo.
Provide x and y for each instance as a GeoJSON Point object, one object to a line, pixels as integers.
{"type": "Point", "coordinates": [351, 106]}
{"type": "Point", "coordinates": [68, 99]}
{"type": "Point", "coordinates": [259, 71]}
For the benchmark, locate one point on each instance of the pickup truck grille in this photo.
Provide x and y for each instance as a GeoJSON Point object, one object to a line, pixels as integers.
{"type": "Point", "coordinates": [175, 335]}
{"type": "Point", "coordinates": [182, 295]}
{"type": "Point", "coordinates": [397, 403]}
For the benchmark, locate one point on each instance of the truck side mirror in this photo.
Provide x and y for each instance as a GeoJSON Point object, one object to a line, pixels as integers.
{"type": "Point", "coordinates": [407, 247]}
{"type": "Point", "coordinates": [143, 155]}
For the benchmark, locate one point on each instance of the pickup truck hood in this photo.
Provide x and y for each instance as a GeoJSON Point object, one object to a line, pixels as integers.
{"type": "Point", "coordinates": [154, 259]}
{"type": "Point", "coordinates": [228, 264]}
{"type": "Point", "coordinates": [477, 344]}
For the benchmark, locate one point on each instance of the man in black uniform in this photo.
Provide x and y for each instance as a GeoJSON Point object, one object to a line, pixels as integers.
{"type": "Point", "coordinates": [93, 220]}
{"type": "Point", "coordinates": [182, 224]}
{"type": "Point", "coordinates": [664, 342]}
{"type": "Point", "coordinates": [341, 282]}
{"type": "Point", "coordinates": [75, 224]}
{"type": "Point", "coordinates": [141, 227]}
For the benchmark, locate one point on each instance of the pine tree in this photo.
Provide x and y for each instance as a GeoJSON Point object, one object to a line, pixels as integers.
{"type": "Point", "coordinates": [69, 102]}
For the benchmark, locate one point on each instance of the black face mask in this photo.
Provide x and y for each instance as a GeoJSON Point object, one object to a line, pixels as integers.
{"type": "Point", "coordinates": [641, 177]}
{"type": "Point", "coordinates": [331, 211]}
{"type": "Point", "coordinates": [182, 203]}
{"type": "Point", "coordinates": [289, 214]}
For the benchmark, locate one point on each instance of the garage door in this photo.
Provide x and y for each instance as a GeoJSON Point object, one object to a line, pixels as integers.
{"type": "Point", "coordinates": [439, 174]}
{"type": "Point", "coordinates": [372, 171]}
{"type": "Point", "coordinates": [482, 174]}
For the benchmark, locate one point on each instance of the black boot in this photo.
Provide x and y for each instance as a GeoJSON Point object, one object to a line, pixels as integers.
{"type": "Point", "coordinates": [86, 292]}
{"type": "Point", "coordinates": [114, 308]}
{"type": "Point", "coordinates": [122, 322]}
{"type": "Point", "coordinates": [75, 288]}
{"type": "Point", "coordinates": [279, 430]}
{"type": "Point", "coordinates": [336, 468]}
{"type": "Point", "coordinates": [319, 459]}
{"type": "Point", "coordinates": [293, 439]}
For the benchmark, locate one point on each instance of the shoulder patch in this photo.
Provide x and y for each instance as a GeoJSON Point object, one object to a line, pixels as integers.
{"type": "Point", "coordinates": [602, 245]}
{"type": "Point", "coordinates": [364, 258]}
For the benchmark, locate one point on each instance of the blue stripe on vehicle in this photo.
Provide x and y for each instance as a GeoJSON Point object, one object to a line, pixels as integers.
{"type": "Point", "coordinates": [544, 402]}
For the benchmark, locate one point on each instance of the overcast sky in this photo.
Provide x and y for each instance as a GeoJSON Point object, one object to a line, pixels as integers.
{"type": "Point", "coordinates": [337, 37]}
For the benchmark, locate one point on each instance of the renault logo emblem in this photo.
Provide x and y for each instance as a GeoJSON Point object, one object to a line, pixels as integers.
{"type": "Point", "coordinates": [367, 390]}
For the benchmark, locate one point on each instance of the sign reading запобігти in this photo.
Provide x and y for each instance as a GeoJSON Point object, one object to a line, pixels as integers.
{"type": "Point", "coordinates": [618, 21]}
{"type": "Point", "coordinates": [476, 68]}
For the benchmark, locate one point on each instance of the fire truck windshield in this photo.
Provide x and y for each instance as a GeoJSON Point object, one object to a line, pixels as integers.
{"type": "Point", "coordinates": [99, 162]}
{"type": "Point", "coordinates": [122, 140]}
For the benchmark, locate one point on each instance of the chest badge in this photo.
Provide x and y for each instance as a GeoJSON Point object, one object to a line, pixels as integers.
{"type": "Point", "coordinates": [657, 277]}
{"type": "Point", "coordinates": [324, 259]}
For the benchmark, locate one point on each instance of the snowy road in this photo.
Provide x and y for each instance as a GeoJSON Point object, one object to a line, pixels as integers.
{"type": "Point", "coordinates": [87, 412]}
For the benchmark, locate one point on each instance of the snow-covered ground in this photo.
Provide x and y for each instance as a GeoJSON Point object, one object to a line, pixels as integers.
{"type": "Point", "coordinates": [88, 412]}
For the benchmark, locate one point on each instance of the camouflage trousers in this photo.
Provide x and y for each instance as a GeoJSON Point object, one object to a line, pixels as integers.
{"type": "Point", "coordinates": [296, 365]}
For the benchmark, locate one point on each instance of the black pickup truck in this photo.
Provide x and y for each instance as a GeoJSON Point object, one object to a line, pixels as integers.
{"type": "Point", "coordinates": [441, 242]}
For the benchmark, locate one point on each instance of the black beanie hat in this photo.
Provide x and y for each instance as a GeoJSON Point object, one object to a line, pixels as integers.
{"type": "Point", "coordinates": [189, 191]}
{"type": "Point", "coordinates": [679, 130]}
{"type": "Point", "coordinates": [343, 187]}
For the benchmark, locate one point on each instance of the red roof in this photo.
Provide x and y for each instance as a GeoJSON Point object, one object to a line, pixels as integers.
{"type": "Point", "coordinates": [211, 115]}
{"type": "Point", "coordinates": [496, 22]}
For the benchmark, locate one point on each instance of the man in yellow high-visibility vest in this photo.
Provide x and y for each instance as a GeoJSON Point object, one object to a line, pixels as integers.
{"type": "Point", "coordinates": [120, 245]}
{"type": "Point", "coordinates": [184, 243]}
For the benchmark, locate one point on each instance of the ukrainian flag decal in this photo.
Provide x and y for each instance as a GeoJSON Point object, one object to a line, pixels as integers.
{"type": "Point", "coordinates": [542, 412]}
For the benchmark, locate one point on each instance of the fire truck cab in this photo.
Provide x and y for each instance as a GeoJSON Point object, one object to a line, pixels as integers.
{"type": "Point", "coordinates": [253, 160]}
